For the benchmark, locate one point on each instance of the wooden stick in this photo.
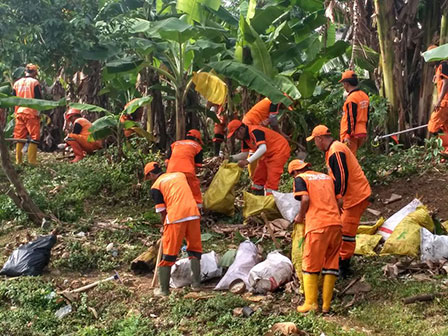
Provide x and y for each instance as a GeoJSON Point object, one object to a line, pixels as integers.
{"type": "Point", "coordinates": [159, 257]}
{"type": "Point", "coordinates": [271, 233]}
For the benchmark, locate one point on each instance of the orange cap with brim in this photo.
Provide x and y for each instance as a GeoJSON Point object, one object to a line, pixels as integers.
{"type": "Point", "coordinates": [318, 131]}
{"type": "Point", "coordinates": [297, 165]}
{"type": "Point", "coordinates": [150, 167]}
{"type": "Point", "coordinates": [195, 134]}
{"type": "Point", "coordinates": [347, 75]}
{"type": "Point", "coordinates": [232, 127]}
{"type": "Point", "coordinates": [71, 112]}
{"type": "Point", "coordinates": [31, 67]}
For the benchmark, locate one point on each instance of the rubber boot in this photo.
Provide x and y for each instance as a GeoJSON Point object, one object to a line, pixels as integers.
{"type": "Point", "coordinates": [217, 147]}
{"type": "Point", "coordinates": [32, 153]}
{"type": "Point", "coordinates": [327, 292]}
{"type": "Point", "coordinates": [19, 154]}
{"type": "Point", "coordinates": [77, 150]}
{"type": "Point", "coordinates": [310, 288]}
{"type": "Point", "coordinates": [257, 192]}
{"type": "Point", "coordinates": [164, 281]}
{"type": "Point", "coordinates": [344, 268]}
{"type": "Point", "coordinates": [195, 265]}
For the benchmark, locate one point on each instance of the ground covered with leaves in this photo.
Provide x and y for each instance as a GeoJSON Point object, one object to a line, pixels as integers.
{"type": "Point", "coordinates": [107, 219]}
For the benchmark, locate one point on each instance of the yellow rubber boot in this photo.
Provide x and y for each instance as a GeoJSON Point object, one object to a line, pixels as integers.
{"type": "Point", "coordinates": [327, 291]}
{"type": "Point", "coordinates": [32, 153]}
{"type": "Point", "coordinates": [310, 282]}
{"type": "Point", "coordinates": [19, 154]}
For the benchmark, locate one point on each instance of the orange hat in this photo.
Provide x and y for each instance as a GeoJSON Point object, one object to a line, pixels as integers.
{"type": "Point", "coordinates": [347, 75]}
{"type": "Point", "coordinates": [318, 131]}
{"type": "Point", "coordinates": [195, 134]}
{"type": "Point", "coordinates": [232, 127]}
{"type": "Point", "coordinates": [432, 46]}
{"type": "Point", "coordinates": [30, 67]}
{"type": "Point", "coordinates": [150, 167]}
{"type": "Point", "coordinates": [72, 112]}
{"type": "Point", "coordinates": [297, 165]}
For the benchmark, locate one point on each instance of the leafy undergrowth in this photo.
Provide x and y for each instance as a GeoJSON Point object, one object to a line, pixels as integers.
{"type": "Point", "coordinates": [100, 203]}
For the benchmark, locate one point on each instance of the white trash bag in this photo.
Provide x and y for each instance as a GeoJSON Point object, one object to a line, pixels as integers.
{"type": "Point", "coordinates": [181, 271]}
{"type": "Point", "coordinates": [270, 274]}
{"type": "Point", "coordinates": [433, 247]}
{"type": "Point", "coordinates": [246, 258]}
{"type": "Point", "coordinates": [390, 224]}
{"type": "Point", "coordinates": [288, 206]}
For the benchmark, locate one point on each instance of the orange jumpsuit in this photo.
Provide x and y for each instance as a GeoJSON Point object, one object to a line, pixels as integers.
{"type": "Point", "coordinates": [260, 113]}
{"type": "Point", "coordinates": [133, 117]}
{"type": "Point", "coordinates": [27, 119]}
{"type": "Point", "coordinates": [172, 194]}
{"type": "Point", "coordinates": [439, 118]}
{"type": "Point", "coordinates": [79, 136]}
{"type": "Point", "coordinates": [354, 119]}
{"type": "Point", "coordinates": [322, 223]}
{"type": "Point", "coordinates": [184, 156]}
{"type": "Point", "coordinates": [270, 166]}
{"type": "Point", "coordinates": [220, 128]}
{"type": "Point", "coordinates": [352, 186]}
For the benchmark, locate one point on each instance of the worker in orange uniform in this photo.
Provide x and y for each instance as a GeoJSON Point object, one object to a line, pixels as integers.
{"type": "Point", "coordinates": [185, 156]}
{"type": "Point", "coordinates": [355, 114]}
{"type": "Point", "coordinates": [438, 123]}
{"type": "Point", "coordinates": [180, 217]}
{"type": "Point", "coordinates": [351, 187]}
{"type": "Point", "coordinates": [78, 138]}
{"type": "Point", "coordinates": [320, 212]}
{"type": "Point", "coordinates": [135, 117]}
{"type": "Point", "coordinates": [27, 119]}
{"type": "Point", "coordinates": [270, 149]}
{"type": "Point", "coordinates": [219, 128]}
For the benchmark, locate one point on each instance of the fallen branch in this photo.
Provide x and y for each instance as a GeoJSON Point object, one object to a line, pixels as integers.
{"type": "Point", "coordinates": [422, 297]}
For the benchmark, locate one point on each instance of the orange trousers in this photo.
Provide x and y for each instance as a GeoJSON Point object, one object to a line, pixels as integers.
{"type": "Point", "coordinates": [321, 251]}
{"type": "Point", "coordinates": [355, 144]}
{"type": "Point", "coordinates": [269, 170]}
{"type": "Point", "coordinates": [350, 221]}
{"type": "Point", "coordinates": [27, 124]}
{"type": "Point", "coordinates": [174, 234]}
{"type": "Point", "coordinates": [195, 187]}
{"type": "Point", "coordinates": [88, 147]}
{"type": "Point", "coordinates": [439, 120]}
{"type": "Point", "coordinates": [219, 131]}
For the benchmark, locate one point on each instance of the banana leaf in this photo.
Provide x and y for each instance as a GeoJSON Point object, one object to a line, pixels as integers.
{"type": "Point", "coordinates": [137, 104]}
{"type": "Point", "coordinates": [88, 107]}
{"type": "Point", "coordinates": [437, 54]}
{"type": "Point", "coordinates": [37, 104]}
{"type": "Point", "coordinates": [103, 127]}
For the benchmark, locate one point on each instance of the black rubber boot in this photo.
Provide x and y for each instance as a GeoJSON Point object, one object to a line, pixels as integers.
{"type": "Point", "coordinates": [258, 192]}
{"type": "Point", "coordinates": [195, 265]}
{"type": "Point", "coordinates": [164, 280]}
{"type": "Point", "coordinates": [344, 268]}
{"type": "Point", "coordinates": [217, 147]}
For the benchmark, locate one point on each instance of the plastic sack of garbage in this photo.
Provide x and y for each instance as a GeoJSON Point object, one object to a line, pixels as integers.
{"type": "Point", "coordinates": [366, 243]}
{"type": "Point", "coordinates": [246, 258]}
{"type": "Point", "coordinates": [270, 274]}
{"type": "Point", "coordinates": [405, 240]}
{"type": "Point", "coordinates": [31, 258]}
{"type": "Point", "coordinates": [255, 205]}
{"type": "Point", "coordinates": [370, 229]}
{"type": "Point", "coordinates": [390, 224]}
{"type": "Point", "coordinates": [288, 206]}
{"type": "Point", "coordinates": [181, 270]}
{"type": "Point", "coordinates": [220, 196]}
{"type": "Point", "coordinates": [298, 241]}
{"type": "Point", "coordinates": [433, 247]}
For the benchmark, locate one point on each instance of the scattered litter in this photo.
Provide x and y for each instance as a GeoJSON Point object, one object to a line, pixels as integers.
{"type": "Point", "coordinates": [433, 247]}
{"type": "Point", "coordinates": [237, 287]}
{"type": "Point", "coordinates": [270, 274]}
{"type": "Point", "coordinates": [80, 234]}
{"type": "Point", "coordinates": [110, 247]}
{"type": "Point", "coordinates": [64, 311]}
{"type": "Point", "coordinates": [237, 312]}
{"type": "Point", "coordinates": [374, 212]}
{"type": "Point", "coordinates": [284, 328]}
{"type": "Point", "coordinates": [246, 258]}
{"type": "Point", "coordinates": [254, 298]}
{"type": "Point", "coordinates": [248, 311]}
{"type": "Point", "coordinates": [30, 259]}
{"type": "Point", "coordinates": [288, 206]}
{"type": "Point", "coordinates": [153, 315]}
{"type": "Point", "coordinates": [392, 198]}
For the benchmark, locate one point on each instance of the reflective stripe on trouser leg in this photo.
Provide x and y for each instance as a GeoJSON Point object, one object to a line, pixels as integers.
{"type": "Point", "coordinates": [350, 221]}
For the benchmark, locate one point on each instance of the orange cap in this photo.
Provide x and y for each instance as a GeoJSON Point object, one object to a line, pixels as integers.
{"type": "Point", "coordinates": [71, 112]}
{"type": "Point", "coordinates": [150, 167]}
{"type": "Point", "coordinates": [232, 127]}
{"type": "Point", "coordinates": [318, 131]}
{"type": "Point", "coordinates": [432, 46]}
{"type": "Point", "coordinates": [297, 165]}
{"type": "Point", "coordinates": [195, 134]}
{"type": "Point", "coordinates": [347, 75]}
{"type": "Point", "coordinates": [30, 67]}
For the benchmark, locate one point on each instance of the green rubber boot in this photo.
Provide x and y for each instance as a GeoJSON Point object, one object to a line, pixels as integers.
{"type": "Point", "coordinates": [164, 281]}
{"type": "Point", "coordinates": [195, 265]}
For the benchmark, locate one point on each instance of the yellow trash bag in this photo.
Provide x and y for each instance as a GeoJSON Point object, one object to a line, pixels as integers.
{"type": "Point", "coordinates": [370, 229]}
{"type": "Point", "coordinates": [405, 239]}
{"type": "Point", "coordinates": [298, 241]}
{"type": "Point", "coordinates": [255, 205]}
{"type": "Point", "coordinates": [366, 243]}
{"type": "Point", "coordinates": [211, 87]}
{"type": "Point", "coordinates": [220, 196]}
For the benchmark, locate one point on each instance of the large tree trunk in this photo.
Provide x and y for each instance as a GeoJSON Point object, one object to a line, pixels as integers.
{"type": "Point", "coordinates": [15, 189]}
{"type": "Point", "coordinates": [180, 114]}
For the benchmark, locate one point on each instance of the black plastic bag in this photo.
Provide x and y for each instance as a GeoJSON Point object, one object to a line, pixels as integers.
{"type": "Point", "coordinates": [30, 259]}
